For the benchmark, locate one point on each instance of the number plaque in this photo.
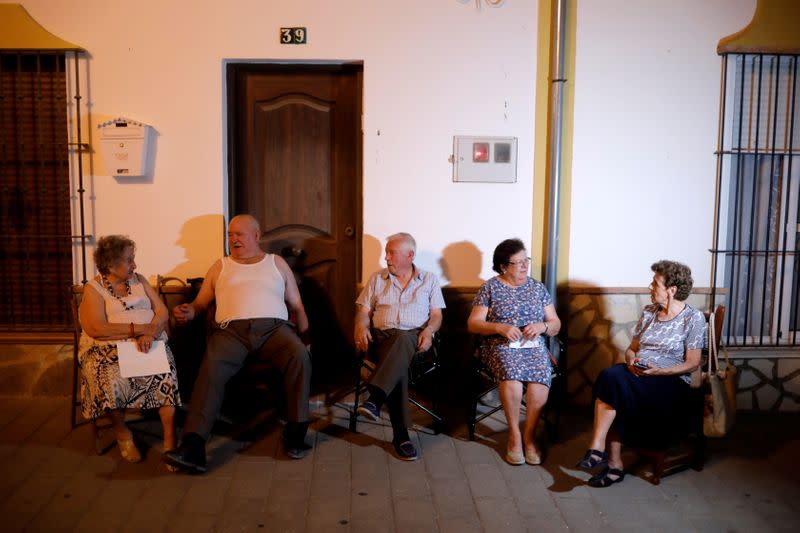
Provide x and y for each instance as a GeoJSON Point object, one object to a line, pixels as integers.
{"type": "Point", "coordinates": [293, 36]}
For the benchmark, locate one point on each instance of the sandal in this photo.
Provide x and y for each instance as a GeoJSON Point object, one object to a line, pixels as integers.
{"type": "Point", "coordinates": [129, 451]}
{"type": "Point", "coordinates": [603, 480]}
{"type": "Point", "coordinates": [168, 467]}
{"type": "Point", "coordinates": [592, 459]}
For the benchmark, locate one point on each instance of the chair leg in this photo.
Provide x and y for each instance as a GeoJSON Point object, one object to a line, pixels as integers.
{"type": "Point", "coordinates": [472, 410]}
{"type": "Point", "coordinates": [356, 395]}
{"type": "Point", "coordinates": [75, 403]}
{"type": "Point", "coordinates": [699, 453]}
{"type": "Point", "coordinates": [97, 434]}
{"type": "Point", "coordinates": [658, 467]}
{"type": "Point", "coordinates": [554, 404]}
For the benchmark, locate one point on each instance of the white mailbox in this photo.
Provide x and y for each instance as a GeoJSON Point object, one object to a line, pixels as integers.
{"type": "Point", "coordinates": [125, 145]}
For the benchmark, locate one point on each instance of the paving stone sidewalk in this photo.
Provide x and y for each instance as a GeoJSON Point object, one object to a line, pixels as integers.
{"type": "Point", "coordinates": [51, 480]}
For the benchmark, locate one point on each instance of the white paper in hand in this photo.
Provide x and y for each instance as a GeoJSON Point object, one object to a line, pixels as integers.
{"type": "Point", "coordinates": [522, 343]}
{"type": "Point", "coordinates": [133, 363]}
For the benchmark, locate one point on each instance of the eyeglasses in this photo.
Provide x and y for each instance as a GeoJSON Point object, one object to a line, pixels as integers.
{"type": "Point", "coordinates": [526, 261]}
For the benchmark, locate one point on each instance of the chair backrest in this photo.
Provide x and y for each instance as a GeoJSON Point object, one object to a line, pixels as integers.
{"type": "Point", "coordinates": [173, 291]}
{"type": "Point", "coordinates": [75, 298]}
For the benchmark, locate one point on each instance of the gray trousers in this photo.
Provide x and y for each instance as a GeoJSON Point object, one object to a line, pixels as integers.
{"type": "Point", "coordinates": [269, 341]}
{"type": "Point", "coordinates": [395, 350]}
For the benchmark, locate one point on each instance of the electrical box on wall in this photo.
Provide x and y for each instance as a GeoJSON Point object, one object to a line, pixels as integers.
{"type": "Point", "coordinates": [125, 144]}
{"type": "Point", "coordinates": [484, 159]}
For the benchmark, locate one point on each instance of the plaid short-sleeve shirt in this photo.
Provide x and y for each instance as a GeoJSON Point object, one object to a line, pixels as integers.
{"type": "Point", "coordinates": [395, 307]}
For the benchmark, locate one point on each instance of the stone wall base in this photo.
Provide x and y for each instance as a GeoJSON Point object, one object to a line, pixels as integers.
{"type": "Point", "coordinates": [599, 324]}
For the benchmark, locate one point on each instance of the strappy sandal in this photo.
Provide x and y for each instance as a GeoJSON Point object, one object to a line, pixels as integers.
{"type": "Point", "coordinates": [129, 450]}
{"type": "Point", "coordinates": [592, 459]}
{"type": "Point", "coordinates": [603, 480]}
{"type": "Point", "coordinates": [168, 467]}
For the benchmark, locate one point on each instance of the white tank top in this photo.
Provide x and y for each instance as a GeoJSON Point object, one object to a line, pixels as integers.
{"type": "Point", "coordinates": [253, 290]}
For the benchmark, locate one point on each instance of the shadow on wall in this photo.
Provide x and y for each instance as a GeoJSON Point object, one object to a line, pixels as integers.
{"type": "Point", "coordinates": [202, 239]}
{"type": "Point", "coordinates": [372, 252]}
{"type": "Point", "coordinates": [461, 264]}
{"type": "Point", "coordinates": [589, 334]}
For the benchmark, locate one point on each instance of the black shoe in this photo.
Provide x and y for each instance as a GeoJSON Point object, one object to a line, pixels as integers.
{"type": "Point", "coordinates": [406, 450]}
{"type": "Point", "coordinates": [190, 454]}
{"type": "Point", "coordinates": [294, 439]}
{"type": "Point", "coordinates": [369, 410]}
{"type": "Point", "coordinates": [296, 450]}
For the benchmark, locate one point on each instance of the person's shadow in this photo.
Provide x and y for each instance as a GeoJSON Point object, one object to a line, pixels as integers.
{"type": "Point", "coordinates": [371, 252]}
{"type": "Point", "coordinates": [202, 238]}
{"type": "Point", "coordinates": [461, 264]}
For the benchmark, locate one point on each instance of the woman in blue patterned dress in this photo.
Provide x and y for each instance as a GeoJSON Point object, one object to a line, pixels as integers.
{"type": "Point", "coordinates": [514, 312]}
{"type": "Point", "coordinates": [643, 401]}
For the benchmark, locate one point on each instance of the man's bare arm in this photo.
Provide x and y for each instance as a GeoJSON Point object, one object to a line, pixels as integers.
{"type": "Point", "coordinates": [291, 293]}
{"type": "Point", "coordinates": [186, 312]}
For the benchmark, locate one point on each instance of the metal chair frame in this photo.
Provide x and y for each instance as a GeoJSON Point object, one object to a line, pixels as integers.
{"type": "Point", "coordinates": [424, 366]}
{"type": "Point", "coordinates": [480, 375]}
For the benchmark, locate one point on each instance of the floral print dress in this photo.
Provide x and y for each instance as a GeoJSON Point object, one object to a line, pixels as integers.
{"type": "Point", "coordinates": [102, 386]}
{"type": "Point", "coordinates": [519, 306]}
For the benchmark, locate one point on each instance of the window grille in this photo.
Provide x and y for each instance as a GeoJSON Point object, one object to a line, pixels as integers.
{"type": "Point", "coordinates": [36, 262]}
{"type": "Point", "coordinates": [756, 252]}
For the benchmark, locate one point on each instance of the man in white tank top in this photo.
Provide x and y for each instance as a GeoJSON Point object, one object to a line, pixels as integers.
{"type": "Point", "coordinates": [255, 294]}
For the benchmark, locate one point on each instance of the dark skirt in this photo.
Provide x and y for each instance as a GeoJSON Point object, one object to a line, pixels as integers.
{"type": "Point", "coordinates": [652, 411]}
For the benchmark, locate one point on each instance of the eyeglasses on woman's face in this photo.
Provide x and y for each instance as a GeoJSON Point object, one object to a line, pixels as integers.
{"type": "Point", "coordinates": [522, 262]}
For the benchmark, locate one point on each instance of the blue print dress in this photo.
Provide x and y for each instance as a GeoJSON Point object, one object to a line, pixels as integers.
{"type": "Point", "coordinates": [654, 411]}
{"type": "Point", "coordinates": [519, 306]}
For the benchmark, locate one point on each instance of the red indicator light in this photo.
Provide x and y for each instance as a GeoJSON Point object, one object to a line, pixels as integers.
{"type": "Point", "coordinates": [480, 152]}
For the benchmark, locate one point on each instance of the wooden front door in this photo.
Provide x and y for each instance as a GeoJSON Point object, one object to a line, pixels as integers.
{"type": "Point", "coordinates": [295, 161]}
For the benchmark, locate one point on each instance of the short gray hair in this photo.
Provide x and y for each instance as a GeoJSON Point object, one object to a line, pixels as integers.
{"type": "Point", "coordinates": [405, 237]}
{"type": "Point", "coordinates": [109, 251]}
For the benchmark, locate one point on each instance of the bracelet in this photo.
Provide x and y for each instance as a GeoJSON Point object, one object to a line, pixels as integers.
{"type": "Point", "coordinates": [545, 328]}
{"type": "Point", "coordinates": [132, 335]}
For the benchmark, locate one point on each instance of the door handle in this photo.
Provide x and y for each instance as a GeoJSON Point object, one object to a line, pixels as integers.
{"type": "Point", "coordinates": [349, 231]}
{"type": "Point", "coordinates": [297, 252]}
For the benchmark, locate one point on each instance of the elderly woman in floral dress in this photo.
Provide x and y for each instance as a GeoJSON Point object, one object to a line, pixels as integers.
{"type": "Point", "coordinates": [514, 312]}
{"type": "Point", "coordinates": [119, 305]}
{"type": "Point", "coordinates": [644, 401]}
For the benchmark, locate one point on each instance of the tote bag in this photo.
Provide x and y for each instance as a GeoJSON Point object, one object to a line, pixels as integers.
{"type": "Point", "coordinates": [719, 412]}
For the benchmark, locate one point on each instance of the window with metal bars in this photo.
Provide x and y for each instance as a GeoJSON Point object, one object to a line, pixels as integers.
{"type": "Point", "coordinates": [756, 254]}
{"type": "Point", "coordinates": [35, 225]}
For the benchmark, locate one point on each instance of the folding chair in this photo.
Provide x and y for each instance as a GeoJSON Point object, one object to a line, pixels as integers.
{"type": "Point", "coordinates": [423, 369]}
{"type": "Point", "coordinates": [483, 383]}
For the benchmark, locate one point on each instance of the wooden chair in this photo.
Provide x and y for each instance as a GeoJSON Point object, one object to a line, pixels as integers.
{"type": "Point", "coordinates": [99, 426]}
{"type": "Point", "coordinates": [76, 295]}
{"type": "Point", "coordinates": [424, 369]}
{"type": "Point", "coordinates": [483, 383]}
{"type": "Point", "coordinates": [691, 454]}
